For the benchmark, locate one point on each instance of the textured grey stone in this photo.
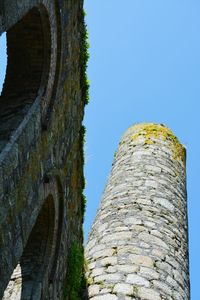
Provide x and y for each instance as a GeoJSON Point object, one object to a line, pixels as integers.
{"type": "Point", "coordinates": [127, 269]}
{"type": "Point", "coordinates": [103, 253]}
{"type": "Point", "coordinates": [107, 278]}
{"type": "Point", "coordinates": [148, 273]}
{"type": "Point", "coordinates": [116, 236]}
{"type": "Point", "coordinates": [129, 249]}
{"type": "Point", "coordinates": [148, 294]}
{"type": "Point", "coordinates": [143, 219]}
{"type": "Point", "coordinates": [105, 290]}
{"type": "Point", "coordinates": [149, 238]}
{"type": "Point", "coordinates": [105, 297]}
{"type": "Point", "coordinates": [97, 271]}
{"type": "Point", "coordinates": [165, 203]}
{"type": "Point", "coordinates": [93, 290]}
{"type": "Point", "coordinates": [137, 280]}
{"type": "Point", "coordinates": [123, 288]}
{"type": "Point", "coordinates": [42, 106]}
{"type": "Point", "coordinates": [132, 221]}
{"type": "Point", "coordinates": [141, 260]}
{"type": "Point", "coordinates": [108, 261]}
{"type": "Point", "coordinates": [163, 287]}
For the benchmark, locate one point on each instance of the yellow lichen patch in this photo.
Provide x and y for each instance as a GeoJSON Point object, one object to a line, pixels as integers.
{"type": "Point", "coordinates": [89, 280]}
{"type": "Point", "coordinates": [150, 132]}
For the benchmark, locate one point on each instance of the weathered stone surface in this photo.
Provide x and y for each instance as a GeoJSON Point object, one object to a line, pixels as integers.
{"type": "Point", "coordinates": [149, 273]}
{"type": "Point", "coordinates": [123, 288]}
{"type": "Point", "coordinates": [108, 278]}
{"type": "Point", "coordinates": [112, 260]}
{"type": "Point", "coordinates": [127, 269]}
{"type": "Point", "coordinates": [93, 290]}
{"type": "Point", "coordinates": [141, 260]}
{"type": "Point", "coordinates": [41, 140]}
{"type": "Point", "coordinates": [105, 297]}
{"type": "Point", "coordinates": [148, 294]}
{"type": "Point", "coordinates": [98, 271]}
{"type": "Point", "coordinates": [135, 280]}
{"type": "Point", "coordinates": [163, 287]}
{"type": "Point", "coordinates": [142, 220]}
{"type": "Point", "coordinates": [103, 253]}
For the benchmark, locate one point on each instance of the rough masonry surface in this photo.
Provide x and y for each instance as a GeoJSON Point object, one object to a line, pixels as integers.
{"type": "Point", "coordinates": [138, 245]}
{"type": "Point", "coordinates": [41, 149]}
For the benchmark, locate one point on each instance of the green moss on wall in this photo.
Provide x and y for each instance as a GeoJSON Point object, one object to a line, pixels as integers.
{"type": "Point", "coordinates": [84, 56]}
{"type": "Point", "coordinates": [75, 280]}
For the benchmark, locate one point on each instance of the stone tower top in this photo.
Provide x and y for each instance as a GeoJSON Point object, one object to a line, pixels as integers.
{"type": "Point", "coordinates": [150, 133]}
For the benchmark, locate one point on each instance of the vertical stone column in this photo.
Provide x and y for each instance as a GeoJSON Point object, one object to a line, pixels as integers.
{"type": "Point", "coordinates": [138, 245]}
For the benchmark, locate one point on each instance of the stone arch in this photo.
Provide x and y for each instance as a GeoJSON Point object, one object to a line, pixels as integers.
{"type": "Point", "coordinates": [33, 277]}
{"type": "Point", "coordinates": [57, 186]}
{"type": "Point", "coordinates": [33, 48]}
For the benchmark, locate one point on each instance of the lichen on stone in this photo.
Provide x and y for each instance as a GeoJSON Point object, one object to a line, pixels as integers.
{"type": "Point", "coordinates": [152, 132]}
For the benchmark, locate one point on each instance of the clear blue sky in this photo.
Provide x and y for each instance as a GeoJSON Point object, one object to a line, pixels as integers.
{"type": "Point", "coordinates": [144, 67]}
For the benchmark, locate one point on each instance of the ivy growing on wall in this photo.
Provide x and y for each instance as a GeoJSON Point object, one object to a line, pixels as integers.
{"type": "Point", "coordinates": [75, 275]}
{"type": "Point", "coordinates": [84, 60]}
{"type": "Point", "coordinates": [75, 283]}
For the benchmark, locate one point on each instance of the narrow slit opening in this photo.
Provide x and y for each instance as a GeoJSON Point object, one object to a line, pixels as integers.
{"type": "Point", "coordinates": [3, 60]}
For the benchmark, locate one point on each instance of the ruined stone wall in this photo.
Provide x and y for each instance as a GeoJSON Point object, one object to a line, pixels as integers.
{"type": "Point", "coordinates": [41, 141]}
{"type": "Point", "coordinates": [138, 246]}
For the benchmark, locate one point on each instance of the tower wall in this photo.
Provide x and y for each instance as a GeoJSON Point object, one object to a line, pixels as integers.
{"type": "Point", "coordinates": [138, 245]}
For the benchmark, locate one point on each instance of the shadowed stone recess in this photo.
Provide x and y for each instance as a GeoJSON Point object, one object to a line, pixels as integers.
{"type": "Point", "coordinates": [138, 245]}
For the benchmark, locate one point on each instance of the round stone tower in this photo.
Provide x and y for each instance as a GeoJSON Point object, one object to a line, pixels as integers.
{"type": "Point", "coordinates": [138, 245]}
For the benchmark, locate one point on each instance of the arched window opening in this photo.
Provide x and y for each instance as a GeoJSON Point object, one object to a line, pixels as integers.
{"type": "Point", "coordinates": [29, 55]}
{"type": "Point", "coordinates": [3, 60]}
{"type": "Point", "coordinates": [34, 268]}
